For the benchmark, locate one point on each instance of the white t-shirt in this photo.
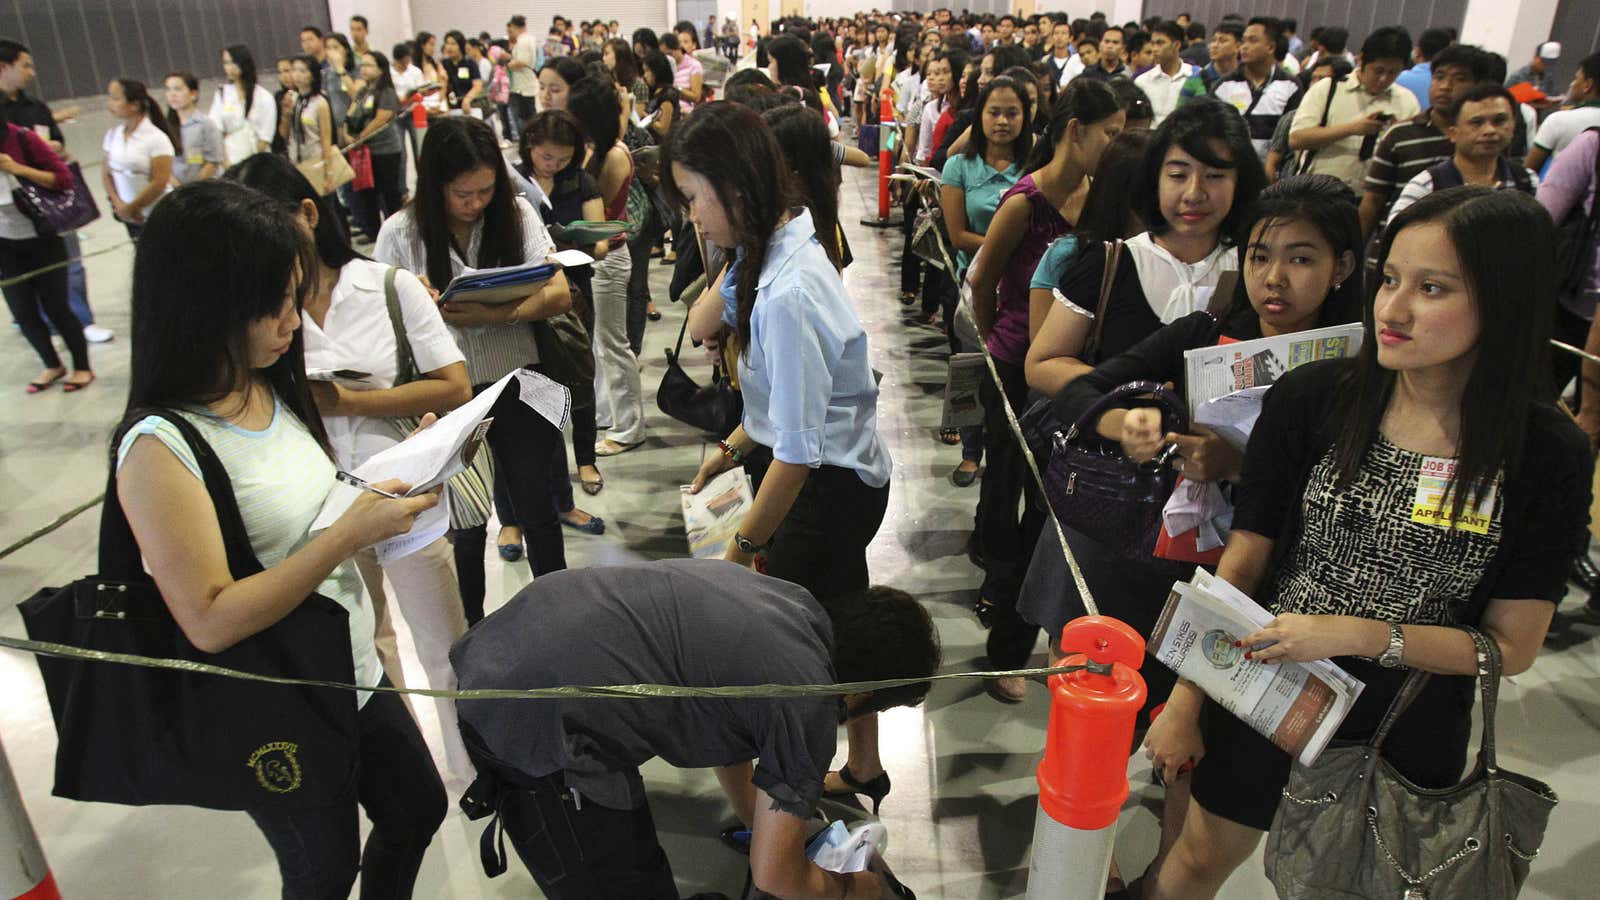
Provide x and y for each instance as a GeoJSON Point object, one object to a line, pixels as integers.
{"type": "Point", "coordinates": [407, 81]}
{"type": "Point", "coordinates": [525, 82]}
{"type": "Point", "coordinates": [356, 334]}
{"type": "Point", "coordinates": [1564, 125]}
{"type": "Point", "coordinates": [129, 156]}
{"type": "Point", "coordinates": [241, 130]}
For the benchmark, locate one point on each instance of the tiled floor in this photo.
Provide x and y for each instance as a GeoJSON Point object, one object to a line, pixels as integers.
{"type": "Point", "coordinates": [960, 816]}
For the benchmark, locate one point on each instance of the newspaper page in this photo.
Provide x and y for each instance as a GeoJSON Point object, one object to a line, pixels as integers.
{"type": "Point", "coordinates": [712, 517]}
{"type": "Point", "coordinates": [1213, 372]}
{"type": "Point", "coordinates": [1297, 706]}
{"type": "Point", "coordinates": [961, 405]}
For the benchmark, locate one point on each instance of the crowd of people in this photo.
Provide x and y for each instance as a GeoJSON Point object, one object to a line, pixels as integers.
{"type": "Point", "coordinates": [1114, 195]}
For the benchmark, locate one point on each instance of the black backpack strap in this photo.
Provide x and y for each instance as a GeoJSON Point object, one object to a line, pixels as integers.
{"type": "Point", "coordinates": [119, 550]}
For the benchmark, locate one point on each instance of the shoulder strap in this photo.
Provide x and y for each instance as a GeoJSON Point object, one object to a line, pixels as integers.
{"type": "Point", "coordinates": [1327, 107]}
{"type": "Point", "coordinates": [1445, 175]}
{"type": "Point", "coordinates": [1408, 692]}
{"type": "Point", "coordinates": [119, 550]}
{"type": "Point", "coordinates": [1489, 684]}
{"type": "Point", "coordinates": [405, 365]}
{"type": "Point", "coordinates": [1108, 278]}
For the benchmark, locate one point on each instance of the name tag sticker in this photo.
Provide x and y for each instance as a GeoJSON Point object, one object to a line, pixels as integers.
{"type": "Point", "coordinates": [195, 159]}
{"type": "Point", "coordinates": [462, 73]}
{"type": "Point", "coordinates": [371, 102]}
{"type": "Point", "coordinates": [1435, 502]}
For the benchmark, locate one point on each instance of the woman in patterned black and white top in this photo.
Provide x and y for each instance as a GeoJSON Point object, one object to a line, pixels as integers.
{"type": "Point", "coordinates": [1387, 501]}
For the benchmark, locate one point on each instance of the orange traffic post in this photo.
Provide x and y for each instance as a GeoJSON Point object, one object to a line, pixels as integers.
{"type": "Point", "coordinates": [886, 135]}
{"type": "Point", "coordinates": [1083, 778]}
{"type": "Point", "coordinates": [24, 874]}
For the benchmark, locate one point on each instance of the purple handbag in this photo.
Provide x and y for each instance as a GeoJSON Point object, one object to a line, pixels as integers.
{"type": "Point", "coordinates": [57, 211]}
{"type": "Point", "coordinates": [1095, 489]}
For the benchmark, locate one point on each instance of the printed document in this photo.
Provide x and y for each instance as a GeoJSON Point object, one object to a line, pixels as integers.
{"type": "Point", "coordinates": [712, 517]}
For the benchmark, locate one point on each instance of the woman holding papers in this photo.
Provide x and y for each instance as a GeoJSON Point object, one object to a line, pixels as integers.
{"type": "Point", "coordinates": [466, 213]}
{"type": "Point", "coordinates": [810, 400]}
{"type": "Point", "coordinates": [1300, 273]}
{"type": "Point", "coordinates": [1386, 502]}
{"type": "Point", "coordinates": [349, 322]}
{"type": "Point", "coordinates": [618, 392]}
{"type": "Point", "coordinates": [219, 279]}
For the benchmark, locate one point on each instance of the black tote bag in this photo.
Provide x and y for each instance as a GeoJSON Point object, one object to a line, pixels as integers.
{"type": "Point", "coordinates": [139, 736]}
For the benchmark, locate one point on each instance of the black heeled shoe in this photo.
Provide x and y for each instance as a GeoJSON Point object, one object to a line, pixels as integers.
{"type": "Point", "coordinates": [874, 790]}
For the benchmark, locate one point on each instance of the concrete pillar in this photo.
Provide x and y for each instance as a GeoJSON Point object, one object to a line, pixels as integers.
{"type": "Point", "coordinates": [1514, 28]}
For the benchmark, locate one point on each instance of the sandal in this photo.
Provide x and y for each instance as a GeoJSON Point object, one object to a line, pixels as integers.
{"type": "Point", "coordinates": [950, 436]}
{"type": "Point", "coordinates": [73, 387]}
{"type": "Point", "coordinates": [651, 313]}
{"type": "Point", "coordinates": [591, 487]}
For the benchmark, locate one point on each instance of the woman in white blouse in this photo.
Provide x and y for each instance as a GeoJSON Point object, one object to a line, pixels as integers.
{"type": "Point", "coordinates": [242, 109]}
{"type": "Point", "coordinates": [347, 324]}
{"type": "Point", "coordinates": [138, 153]}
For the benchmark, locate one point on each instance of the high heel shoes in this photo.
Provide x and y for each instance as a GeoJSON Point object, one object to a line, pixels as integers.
{"type": "Point", "coordinates": [875, 789]}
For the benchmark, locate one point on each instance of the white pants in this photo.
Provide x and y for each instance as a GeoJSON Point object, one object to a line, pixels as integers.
{"type": "Point", "coordinates": [619, 397]}
{"type": "Point", "coordinates": [429, 597]}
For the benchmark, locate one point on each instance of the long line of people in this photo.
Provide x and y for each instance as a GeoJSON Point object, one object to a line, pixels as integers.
{"type": "Point", "coordinates": [1114, 196]}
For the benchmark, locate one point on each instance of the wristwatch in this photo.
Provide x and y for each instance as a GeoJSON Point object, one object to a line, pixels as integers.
{"type": "Point", "coordinates": [1390, 658]}
{"type": "Point", "coordinates": [746, 545]}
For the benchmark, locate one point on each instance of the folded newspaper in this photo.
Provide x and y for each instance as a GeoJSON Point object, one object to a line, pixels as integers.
{"type": "Point", "coordinates": [1226, 382]}
{"type": "Point", "coordinates": [1297, 706]}
{"type": "Point", "coordinates": [438, 453]}
{"type": "Point", "coordinates": [961, 405]}
{"type": "Point", "coordinates": [711, 518]}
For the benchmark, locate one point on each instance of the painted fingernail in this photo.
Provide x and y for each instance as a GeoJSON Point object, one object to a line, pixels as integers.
{"type": "Point", "coordinates": [1238, 643]}
{"type": "Point", "coordinates": [1247, 655]}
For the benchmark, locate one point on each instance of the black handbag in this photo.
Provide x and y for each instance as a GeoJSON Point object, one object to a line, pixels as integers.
{"type": "Point", "coordinates": [1098, 491]}
{"type": "Point", "coordinates": [139, 736]}
{"type": "Point", "coordinates": [716, 409]}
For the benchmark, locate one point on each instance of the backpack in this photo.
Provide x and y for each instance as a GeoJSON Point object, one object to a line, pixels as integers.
{"type": "Point", "coordinates": [1577, 235]}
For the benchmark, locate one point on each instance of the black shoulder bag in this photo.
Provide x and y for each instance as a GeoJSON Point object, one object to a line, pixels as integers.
{"type": "Point", "coordinates": [139, 736]}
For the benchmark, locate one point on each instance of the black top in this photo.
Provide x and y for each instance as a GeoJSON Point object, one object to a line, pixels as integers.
{"type": "Point", "coordinates": [570, 191]}
{"type": "Point", "coordinates": [1128, 316]}
{"type": "Point", "coordinates": [459, 76]}
{"type": "Point", "coordinates": [1158, 357]}
{"type": "Point", "coordinates": [1545, 499]}
{"type": "Point", "coordinates": [1098, 72]}
{"type": "Point", "coordinates": [26, 112]}
{"type": "Point", "coordinates": [693, 622]}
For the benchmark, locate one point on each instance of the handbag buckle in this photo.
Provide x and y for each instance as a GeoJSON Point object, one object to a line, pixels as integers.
{"type": "Point", "coordinates": [1072, 482]}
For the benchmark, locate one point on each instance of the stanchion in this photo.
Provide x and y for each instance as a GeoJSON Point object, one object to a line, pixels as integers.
{"type": "Point", "coordinates": [1083, 778]}
{"type": "Point", "coordinates": [24, 875]}
{"type": "Point", "coordinates": [886, 218]}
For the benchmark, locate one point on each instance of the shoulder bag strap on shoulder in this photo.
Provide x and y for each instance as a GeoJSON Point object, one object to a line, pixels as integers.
{"type": "Point", "coordinates": [1108, 278]}
{"type": "Point", "coordinates": [405, 365]}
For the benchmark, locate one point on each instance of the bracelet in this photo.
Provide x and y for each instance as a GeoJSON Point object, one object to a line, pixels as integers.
{"type": "Point", "coordinates": [731, 451]}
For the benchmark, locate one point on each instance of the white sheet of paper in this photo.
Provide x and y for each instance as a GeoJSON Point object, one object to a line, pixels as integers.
{"type": "Point", "coordinates": [1233, 416]}
{"type": "Point", "coordinates": [8, 183]}
{"type": "Point", "coordinates": [572, 258]}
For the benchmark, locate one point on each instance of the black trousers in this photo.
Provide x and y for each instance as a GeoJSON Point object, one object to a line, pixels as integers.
{"type": "Point", "coordinates": [522, 442]}
{"type": "Point", "coordinates": [1573, 329]}
{"type": "Point", "coordinates": [575, 848]}
{"type": "Point", "coordinates": [1005, 540]}
{"type": "Point", "coordinates": [911, 264]}
{"type": "Point", "coordinates": [522, 109]}
{"type": "Point", "coordinates": [47, 292]}
{"type": "Point", "coordinates": [821, 544]}
{"type": "Point", "coordinates": [319, 850]}
{"type": "Point", "coordinates": [382, 200]}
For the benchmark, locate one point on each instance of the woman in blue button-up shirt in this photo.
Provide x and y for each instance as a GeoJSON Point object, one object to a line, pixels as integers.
{"type": "Point", "coordinates": [810, 399]}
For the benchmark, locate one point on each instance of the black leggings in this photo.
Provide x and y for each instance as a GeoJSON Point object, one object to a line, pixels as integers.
{"type": "Point", "coordinates": [383, 199]}
{"type": "Point", "coordinates": [522, 441]}
{"type": "Point", "coordinates": [48, 292]}
{"type": "Point", "coordinates": [319, 850]}
{"type": "Point", "coordinates": [1006, 541]}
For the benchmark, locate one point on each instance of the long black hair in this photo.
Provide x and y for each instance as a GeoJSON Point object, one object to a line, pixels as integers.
{"type": "Point", "coordinates": [552, 126]}
{"type": "Point", "coordinates": [802, 135]}
{"type": "Point", "coordinates": [1506, 279]}
{"type": "Point", "coordinates": [978, 142]}
{"type": "Point", "coordinates": [1328, 205]}
{"type": "Point", "coordinates": [277, 178]}
{"type": "Point", "coordinates": [385, 75]}
{"type": "Point", "coordinates": [1107, 215]}
{"type": "Point", "coordinates": [455, 146]}
{"type": "Point", "coordinates": [594, 104]}
{"type": "Point", "coordinates": [736, 152]}
{"type": "Point", "coordinates": [246, 61]}
{"type": "Point", "coordinates": [174, 124]}
{"type": "Point", "coordinates": [793, 61]}
{"type": "Point", "coordinates": [1086, 101]}
{"type": "Point", "coordinates": [1192, 127]}
{"type": "Point", "coordinates": [214, 258]}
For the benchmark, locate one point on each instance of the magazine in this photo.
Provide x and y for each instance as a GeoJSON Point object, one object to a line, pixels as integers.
{"type": "Point", "coordinates": [712, 517]}
{"type": "Point", "coordinates": [1214, 372]}
{"type": "Point", "coordinates": [1297, 706]}
{"type": "Point", "coordinates": [961, 405]}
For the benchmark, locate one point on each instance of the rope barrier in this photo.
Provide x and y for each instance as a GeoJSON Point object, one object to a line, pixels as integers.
{"type": "Point", "coordinates": [60, 520]}
{"type": "Point", "coordinates": [561, 692]}
{"type": "Point", "coordinates": [18, 279]}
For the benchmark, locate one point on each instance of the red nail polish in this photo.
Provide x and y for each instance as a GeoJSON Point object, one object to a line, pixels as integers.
{"type": "Point", "coordinates": [1238, 643]}
{"type": "Point", "coordinates": [1247, 654]}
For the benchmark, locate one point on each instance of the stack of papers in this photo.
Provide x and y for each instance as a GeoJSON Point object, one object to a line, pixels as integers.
{"type": "Point", "coordinates": [1297, 706]}
{"type": "Point", "coordinates": [712, 517]}
{"type": "Point", "coordinates": [927, 172]}
{"type": "Point", "coordinates": [438, 453]}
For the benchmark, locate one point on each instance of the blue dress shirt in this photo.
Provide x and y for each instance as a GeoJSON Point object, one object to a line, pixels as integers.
{"type": "Point", "coordinates": [809, 393]}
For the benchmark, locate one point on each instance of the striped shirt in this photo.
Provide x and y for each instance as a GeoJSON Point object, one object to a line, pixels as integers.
{"type": "Point", "coordinates": [1403, 152]}
{"type": "Point", "coordinates": [1261, 107]}
{"type": "Point", "coordinates": [280, 478]}
{"type": "Point", "coordinates": [492, 351]}
{"type": "Point", "coordinates": [1422, 185]}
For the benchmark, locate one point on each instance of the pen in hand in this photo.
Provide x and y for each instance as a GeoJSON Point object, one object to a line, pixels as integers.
{"type": "Point", "coordinates": [364, 485]}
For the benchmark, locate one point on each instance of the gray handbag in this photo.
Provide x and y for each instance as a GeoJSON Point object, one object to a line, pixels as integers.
{"type": "Point", "coordinates": [1352, 827]}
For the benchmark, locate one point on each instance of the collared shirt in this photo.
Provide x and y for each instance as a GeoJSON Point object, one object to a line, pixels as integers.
{"type": "Point", "coordinates": [1565, 124]}
{"type": "Point", "coordinates": [525, 82]}
{"type": "Point", "coordinates": [809, 392]}
{"type": "Point", "coordinates": [491, 350]}
{"type": "Point", "coordinates": [356, 333]}
{"type": "Point", "coordinates": [202, 143]}
{"type": "Point", "coordinates": [406, 83]}
{"type": "Point", "coordinates": [692, 622]}
{"type": "Point", "coordinates": [1417, 80]}
{"type": "Point", "coordinates": [931, 113]}
{"type": "Point", "coordinates": [1261, 107]}
{"type": "Point", "coordinates": [1099, 73]}
{"type": "Point", "coordinates": [982, 187]}
{"type": "Point", "coordinates": [28, 112]}
{"type": "Point", "coordinates": [1163, 89]}
{"type": "Point", "coordinates": [241, 129]}
{"type": "Point", "coordinates": [129, 158]}
{"type": "Point", "coordinates": [1422, 185]}
{"type": "Point", "coordinates": [1342, 158]}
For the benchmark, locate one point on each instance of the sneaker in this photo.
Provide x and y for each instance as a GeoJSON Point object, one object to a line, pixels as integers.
{"type": "Point", "coordinates": [95, 334]}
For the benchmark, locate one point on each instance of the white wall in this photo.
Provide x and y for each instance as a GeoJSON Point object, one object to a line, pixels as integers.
{"type": "Point", "coordinates": [389, 20]}
{"type": "Point", "coordinates": [1514, 28]}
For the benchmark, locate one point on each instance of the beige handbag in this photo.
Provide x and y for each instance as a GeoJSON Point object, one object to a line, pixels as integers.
{"type": "Point", "coordinates": [313, 170]}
